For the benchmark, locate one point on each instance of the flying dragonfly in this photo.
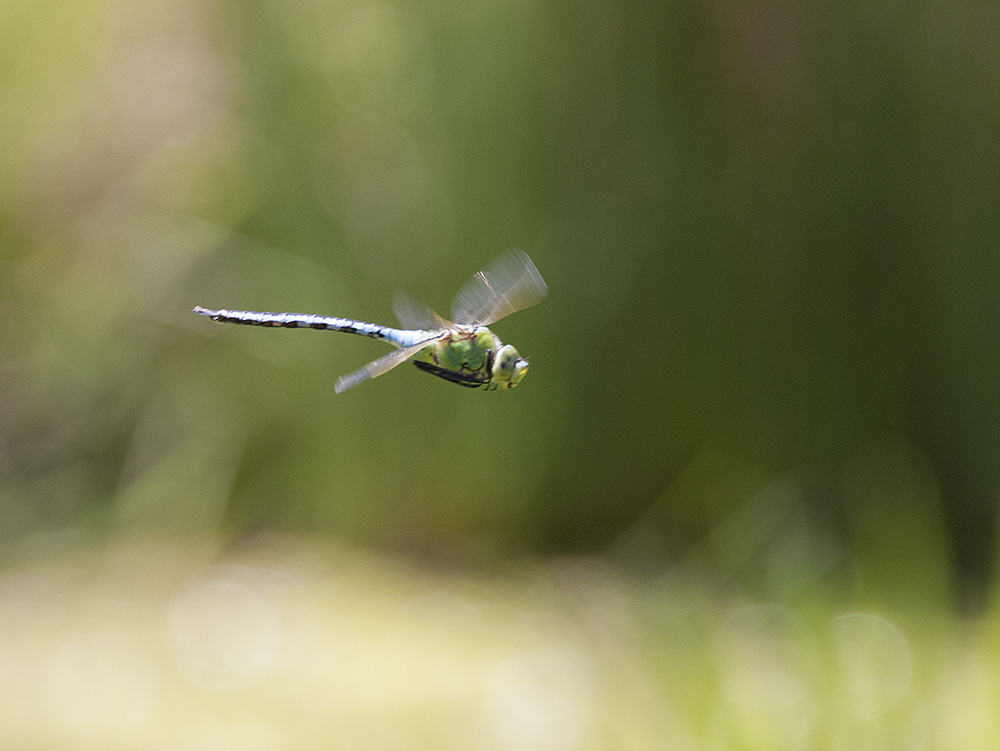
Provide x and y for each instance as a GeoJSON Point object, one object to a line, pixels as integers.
{"type": "Point", "coordinates": [463, 350]}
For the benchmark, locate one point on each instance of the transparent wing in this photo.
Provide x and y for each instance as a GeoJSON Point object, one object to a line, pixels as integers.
{"type": "Point", "coordinates": [509, 283]}
{"type": "Point", "coordinates": [415, 315]}
{"type": "Point", "coordinates": [377, 367]}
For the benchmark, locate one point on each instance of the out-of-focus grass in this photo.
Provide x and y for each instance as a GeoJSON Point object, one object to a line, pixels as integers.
{"type": "Point", "coordinates": [292, 645]}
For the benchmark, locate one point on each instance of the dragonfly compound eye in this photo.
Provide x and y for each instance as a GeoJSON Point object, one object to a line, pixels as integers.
{"type": "Point", "coordinates": [506, 359]}
{"type": "Point", "coordinates": [508, 367]}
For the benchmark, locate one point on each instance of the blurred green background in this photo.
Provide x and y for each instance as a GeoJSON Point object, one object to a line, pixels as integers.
{"type": "Point", "coordinates": [765, 372]}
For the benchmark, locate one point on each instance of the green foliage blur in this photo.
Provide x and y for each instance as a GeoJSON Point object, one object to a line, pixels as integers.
{"type": "Point", "coordinates": [769, 230]}
{"type": "Point", "coordinates": [744, 498]}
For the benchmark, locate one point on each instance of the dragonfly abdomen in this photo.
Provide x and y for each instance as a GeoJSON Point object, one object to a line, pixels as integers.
{"type": "Point", "coordinates": [299, 321]}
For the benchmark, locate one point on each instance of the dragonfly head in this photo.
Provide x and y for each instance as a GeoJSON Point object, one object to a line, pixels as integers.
{"type": "Point", "coordinates": [508, 367]}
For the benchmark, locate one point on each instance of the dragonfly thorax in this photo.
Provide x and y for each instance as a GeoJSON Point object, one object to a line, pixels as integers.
{"type": "Point", "coordinates": [473, 356]}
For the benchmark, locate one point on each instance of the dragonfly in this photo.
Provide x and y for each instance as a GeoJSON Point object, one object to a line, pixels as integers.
{"type": "Point", "coordinates": [462, 350]}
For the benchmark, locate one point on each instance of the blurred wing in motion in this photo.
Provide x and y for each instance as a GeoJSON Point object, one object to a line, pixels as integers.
{"type": "Point", "coordinates": [508, 284]}
{"type": "Point", "coordinates": [377, 367]}
{"type": "Point", "coordinates": [415, 315]}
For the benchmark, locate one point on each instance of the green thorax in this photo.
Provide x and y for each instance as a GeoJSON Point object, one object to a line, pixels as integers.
{"type": "Point", "coordinates": [463, 356]}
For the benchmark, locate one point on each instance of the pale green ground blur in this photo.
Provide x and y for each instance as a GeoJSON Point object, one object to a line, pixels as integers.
{"type": "Point", "coordinates": [745, 497]}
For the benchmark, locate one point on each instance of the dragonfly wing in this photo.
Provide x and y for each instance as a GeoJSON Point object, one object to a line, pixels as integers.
{"type": "Point", "coordinates": [509, 283]}
{"type": "Point", "coordinates": [415, 315]}
{"type": "Point", "coordinates": [377, 367]}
